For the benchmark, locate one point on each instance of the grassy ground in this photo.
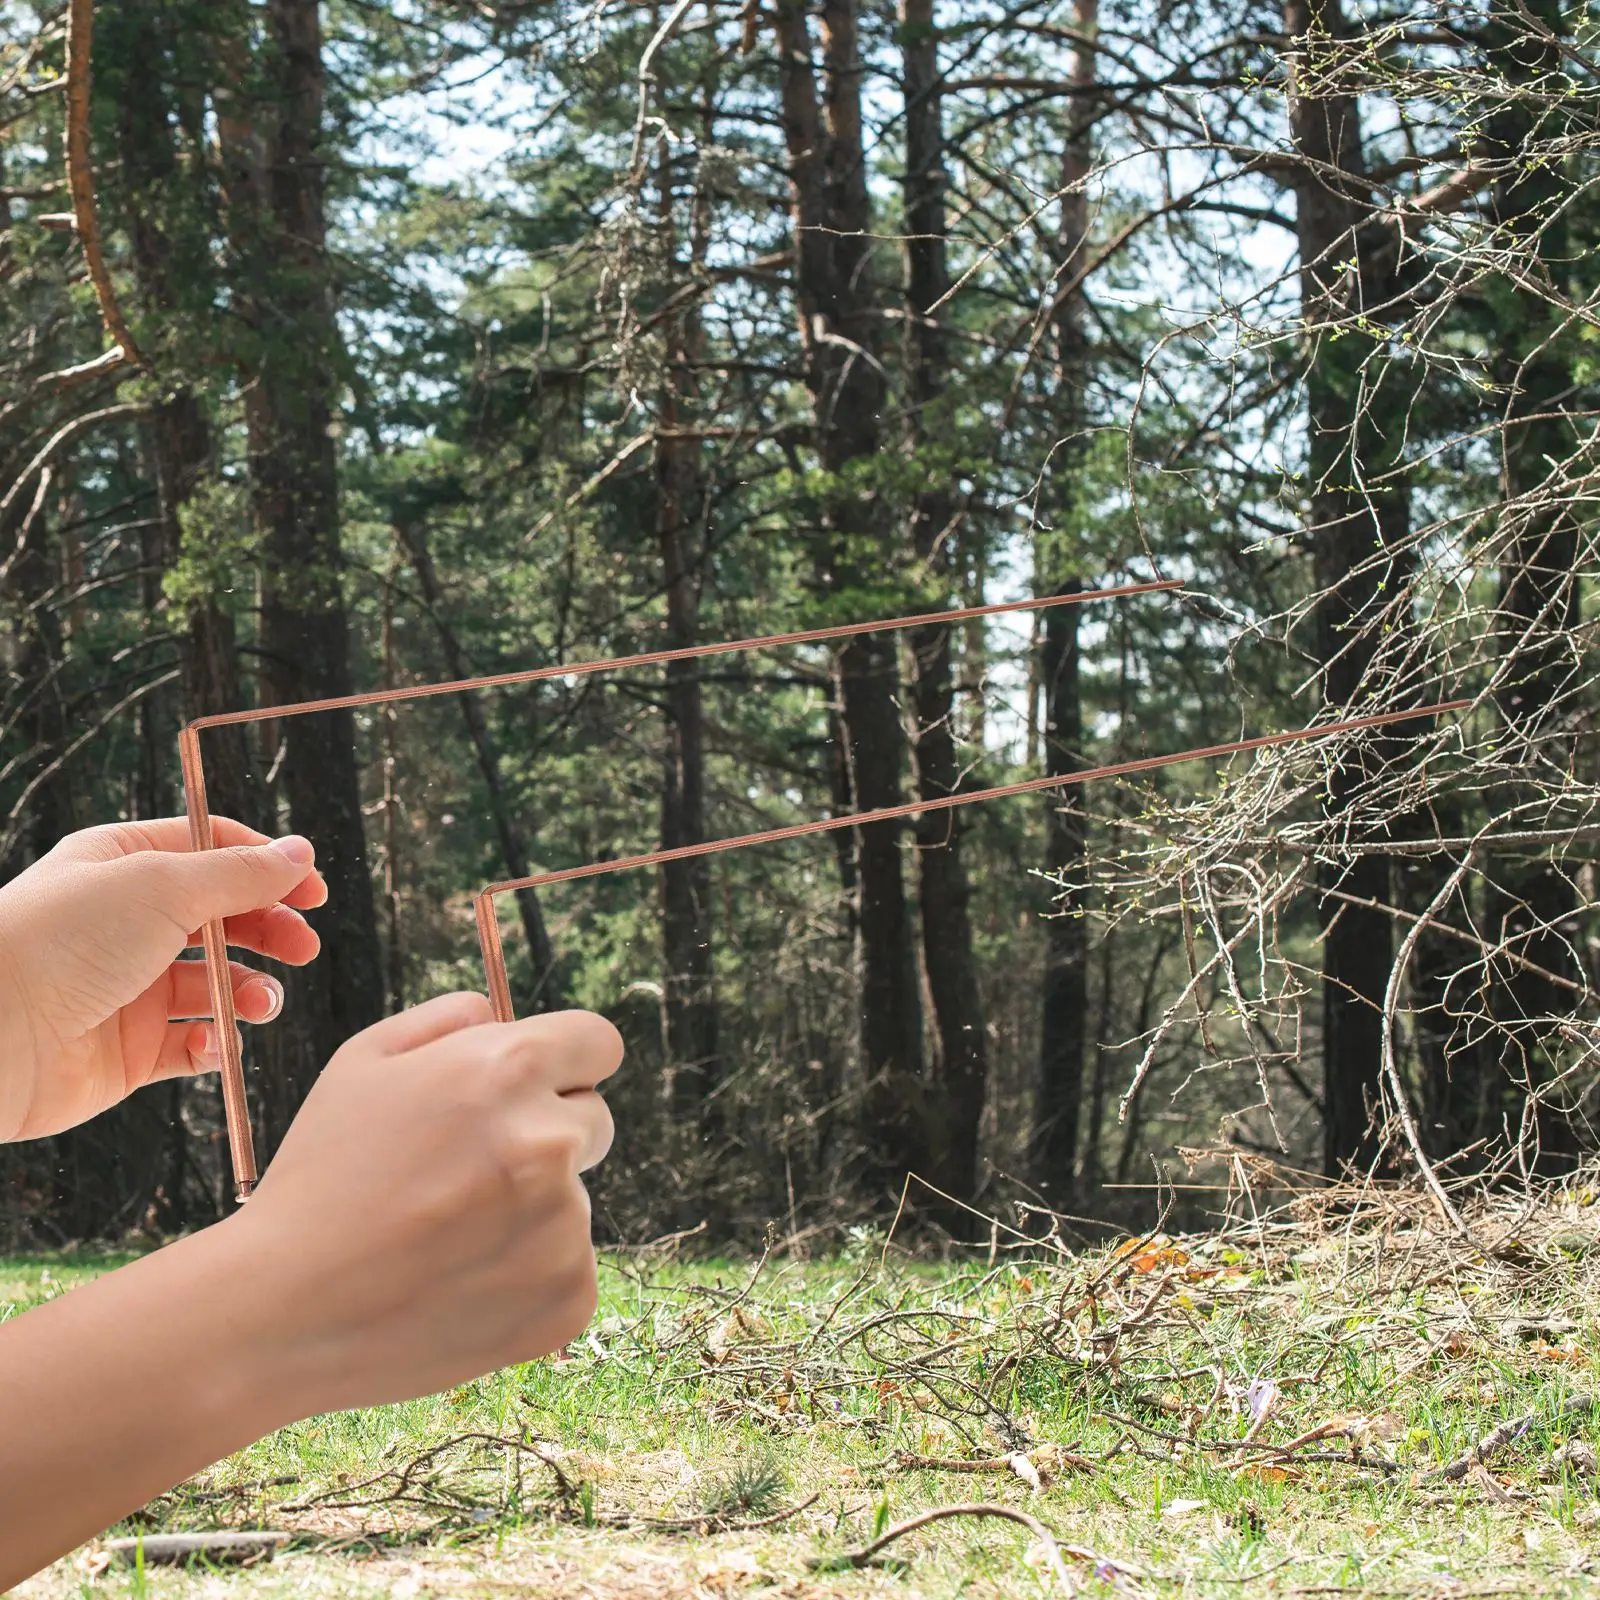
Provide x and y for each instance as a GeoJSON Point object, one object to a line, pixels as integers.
{"type": "Point", "coordinates": [1269, 1410]}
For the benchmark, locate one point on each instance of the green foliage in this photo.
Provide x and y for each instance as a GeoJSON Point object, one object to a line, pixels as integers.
{"type": "Point", "coordinates": [752, 1488]}
{"type": "Point", "coordinates": [218, 549]}
{"type": "Point", "coordinates": [514, 301]}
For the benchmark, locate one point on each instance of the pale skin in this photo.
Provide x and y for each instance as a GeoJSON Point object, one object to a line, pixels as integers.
{"type": "Point", "coordinates": [424, 1221]}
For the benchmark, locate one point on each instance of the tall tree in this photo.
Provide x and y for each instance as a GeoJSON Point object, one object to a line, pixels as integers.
{"type": "Point", "coordinates": [1063, 1025]}
{"type": "Point", "coordinates": [1533, 903]}
{"type": "Point", "coordinates": [1347, 538]}
{"type": "Point", "coordinates": [682, 512]}
{"type": "Point", "coordinates": [840, 329]}
{"type": "Point", "coordinates": [304, 636]}
{"type": "Point", "coordinates": [946, 893]}
{"type": "Point", "coordinates": [158, 68]}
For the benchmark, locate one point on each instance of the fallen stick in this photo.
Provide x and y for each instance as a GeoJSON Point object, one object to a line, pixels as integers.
{"type": "Point", "coordinates": [709, 1522]}
{"type": "Point", "coordinates": [1104, 1566]}
{"type": "Point", "coordinates": [1508, 1432]}
{"type": "Point", "coordinates": [172, 1548]}
{"type": "Point", "coordinates": [1051, 1463]}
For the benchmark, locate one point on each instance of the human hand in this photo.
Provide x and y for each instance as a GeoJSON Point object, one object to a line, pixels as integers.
{"type": "Point", "coordinates": [93, 997]}
{"type": "Point", "coordinates": [423, 1221]}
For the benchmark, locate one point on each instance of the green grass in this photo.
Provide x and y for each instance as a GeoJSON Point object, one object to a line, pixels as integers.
{"type": "Point", "coordinates": [712, 1397]}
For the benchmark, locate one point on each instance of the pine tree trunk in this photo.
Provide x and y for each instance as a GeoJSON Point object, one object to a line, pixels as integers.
{"type": "Point", "coordinates": [181, 456]}
{"type": "Point", "coordinates": [1066, 971]}
{"type": "Point", "coordinates": [689, 998]}
{"type": "Point", "coordinates": [1063, 1029]}
{"type": "Point", "coordinates": [1533, 905]}
{"type": "Point", "coordinates": [1346, 536]}
{"type": "Point", "coordinates": [840, 330]}
{"type": "Point", "coordinates": [304, 630]}
{"type": "Point", "coordinates": [963, 1066]}
{"type": "Point", "coordinates": [394, 928]}
{"type": "Point", "coordinates": [686, 948]}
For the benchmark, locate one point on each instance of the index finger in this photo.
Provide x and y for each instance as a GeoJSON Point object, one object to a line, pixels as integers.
{"type": "Point", "coordinates": [571, 1052]}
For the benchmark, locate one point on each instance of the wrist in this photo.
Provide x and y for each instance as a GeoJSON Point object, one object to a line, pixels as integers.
{"type": "Point", "coordinates": [248, 1313]}
{"type": "Point", "coordinates": [235, 1362]}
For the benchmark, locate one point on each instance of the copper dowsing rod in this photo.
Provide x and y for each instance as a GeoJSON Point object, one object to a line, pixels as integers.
{"type": "Point", "coordinates": [489, 925]}
{"type": "Point", "coordinates": [241, 1142]}
{"type": "Point", "coordinates": [219, 979]}
{"type": "Point", "coordinates": [652, 658]}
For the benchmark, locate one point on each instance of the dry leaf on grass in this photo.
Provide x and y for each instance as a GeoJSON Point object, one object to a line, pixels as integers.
{"type": "Point", "coordinates": [1268, 1472]}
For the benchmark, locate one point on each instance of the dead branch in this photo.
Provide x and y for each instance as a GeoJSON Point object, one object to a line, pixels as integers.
{"type": "Point", "coordinates": [1103, 1566]}
{"type": "Point", "coordinates": [1391, 1068]}
{"type": "Point", "coordinates": [85, 212]}
{"type": "Point", "coordinates": [1508, 1432]}
{"type": "Point", "coordinates": [66, 434]}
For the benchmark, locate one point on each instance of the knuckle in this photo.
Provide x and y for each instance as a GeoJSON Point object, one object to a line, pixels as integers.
{"type": "Point", "coordinates": [252, 861]}
{"type": "Point", "coordinates": [500, 1072]}
{"type": "Point", "coordinates": [472, 1007]}
{"type": "Point", "coordinates": [598, 1038]}
{"type": "Point", "coordinates": [537, 1148]}
{"type": "Point", "coordinates": [551, 1146]}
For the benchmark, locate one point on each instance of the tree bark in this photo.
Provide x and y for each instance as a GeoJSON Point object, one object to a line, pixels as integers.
{"type": "Point", "coordinates": [1533, 906]}
{"type": "Point", "coordinates": [1066, 969]}
{"type": "Point", "coordinates": [180, 448]}
{"type": "Point", "coordinates": [1347, 540]}
{"type": "Point", "coordinates": [840, 325]}
{"type": "Point", "coordinates": [1065, 998]}
{"type": "Point", "coordinates": [682, 508]}
{"type": "Point", "coordinates": [963, 1064]}
{"type": "Point", "coordinates": [394, 947]}
{"type": "Point", "coordinates": [304, 630]}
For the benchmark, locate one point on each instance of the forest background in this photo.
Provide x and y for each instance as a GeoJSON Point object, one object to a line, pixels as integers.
{"type": "Point", "coordinates": [357, 345]}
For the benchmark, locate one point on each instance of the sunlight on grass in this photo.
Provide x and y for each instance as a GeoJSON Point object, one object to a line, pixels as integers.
{"type": "Point", "coordinates": [1208, 1415]}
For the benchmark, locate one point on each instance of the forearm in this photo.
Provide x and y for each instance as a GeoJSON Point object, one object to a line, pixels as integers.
{"type": "Point", "coordinates": [122, 1388]}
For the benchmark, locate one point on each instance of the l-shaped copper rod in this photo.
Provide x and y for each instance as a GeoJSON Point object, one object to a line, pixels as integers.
{"type": "Point", "coordinates": [235, 1104]}
{"type": "Point", "coordinates": [241, 1142]}
{"type": "Point", "coordinates": [691, 652]}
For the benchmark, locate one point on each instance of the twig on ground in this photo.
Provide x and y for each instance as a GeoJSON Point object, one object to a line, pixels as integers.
{"type": "Point", "coordinates": [1508, 1432]}
{"type": "Point", "coordinates": [706, 1522]}
{"type": "Point", "coordinates": [1063, 1460]}
{"type": "Point", "coordinates": [1103, 1566]}
{"type": "Point", "coordinates": [404, 1475]}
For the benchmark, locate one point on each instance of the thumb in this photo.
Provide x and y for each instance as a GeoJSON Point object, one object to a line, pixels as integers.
{"type": "Point", "coordinates": [202, 886]}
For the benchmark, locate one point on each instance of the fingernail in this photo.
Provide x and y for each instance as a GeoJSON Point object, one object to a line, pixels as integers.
{"type": "Point", "coordinates": [271, 989]}
{"type": "Point", "coordinates": [203, 1047]}
{"type": "Point", "coordinates": [299, 851]}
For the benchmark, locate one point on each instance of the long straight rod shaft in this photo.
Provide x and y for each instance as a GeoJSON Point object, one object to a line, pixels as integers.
{"type": "Point", "coordinates": [219, 979]}
{"type": "Point", "coordinates": [692, 652]}
{"type": "Point", "coordinates": [494, 957]}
